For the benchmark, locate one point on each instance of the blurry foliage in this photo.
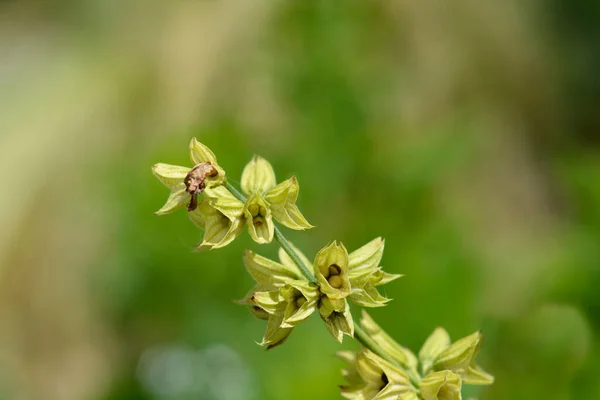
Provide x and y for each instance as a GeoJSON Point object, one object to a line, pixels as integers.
{"type": "Point", "coordinates": [367, 168]}
{"type": "Point", "coordinates": [332, 68]}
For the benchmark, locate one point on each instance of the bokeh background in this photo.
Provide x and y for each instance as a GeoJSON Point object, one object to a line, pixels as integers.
{"type": "Point", "coordinates": [465, 133]}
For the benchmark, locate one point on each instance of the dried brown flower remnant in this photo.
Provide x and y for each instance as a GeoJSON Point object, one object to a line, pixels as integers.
{"type": "Point", "coordinates": [195, 181]}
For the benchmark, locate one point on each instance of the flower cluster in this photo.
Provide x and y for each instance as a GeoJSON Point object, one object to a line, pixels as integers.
{"type": "Point", "coordinates": [290, 290]}
{"type": "Point", "coordinates": [437, 374]}
{"type": "Point", "coordinates": [285, 297]}
{"type": "Point", "coordinates": [220, 213]}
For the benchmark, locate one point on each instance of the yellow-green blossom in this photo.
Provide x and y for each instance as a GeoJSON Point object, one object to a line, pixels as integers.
{"type": "Point", "coordinates": [282, 295]}
{"type": "Point", "coordinates": [255, 214]}
{"type": "Point", "coordinates": [337, 317]}
{"type": "Point", "coordinates": [438, 354]}
{"type": "Point", "coordinates": [371, 377]}
{"type": "Point", "coordinates": [223, 215]}
{"type": "Point", "coordinates": [365, 273]}
{"type": "Point", "coordinates": [331, 271]}
{"type": "Point", "coordinates": [441, 385]}
{"type": "Point", "coordinates": [265, 201]}
{"type": "Point", "coordinates": [400, 354]}
{"type": "Point", "coordinates": [340, 276]}
{"type": "Point", "coordinates": [259, 183]}
{"type": "Point", "coordinates": [186, 183]}
{"type": "Point", "coordinates": [219, 229]}
{"type": "Point", "coordinates": [355, 275]}
{"type": "Point", "coordinates": [438, 373]}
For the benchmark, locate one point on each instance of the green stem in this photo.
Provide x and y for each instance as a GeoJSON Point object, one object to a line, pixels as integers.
{"type": "Point", "coordinates": [285, 245]}
{"type": "Point", "coordinates": [235, 192]}
{"type": "Point", "coordinates": [359, 334]}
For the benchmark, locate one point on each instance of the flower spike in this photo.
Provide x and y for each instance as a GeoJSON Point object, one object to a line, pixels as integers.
{"type": "Point", "coordinates": [291, 289]}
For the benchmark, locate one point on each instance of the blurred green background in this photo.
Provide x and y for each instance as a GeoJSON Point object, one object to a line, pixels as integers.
{"type": "Point", "coordinates": [465, 133]}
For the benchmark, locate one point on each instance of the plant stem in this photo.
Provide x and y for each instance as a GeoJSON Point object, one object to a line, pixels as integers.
{"type": "Point", "coordinates": [235, 192]}
{"type": "Point", "coordinates": [285, 245]}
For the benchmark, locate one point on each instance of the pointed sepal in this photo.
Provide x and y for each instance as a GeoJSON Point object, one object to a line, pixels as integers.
{"type": "Point", "coordinates": [258, 176]}
{"type": "Point", "coordinates": [199, 153]}
{"type": "Point", "coordinates": [435, 344]}
{"type": "Point", "coordinates": [283, 205]}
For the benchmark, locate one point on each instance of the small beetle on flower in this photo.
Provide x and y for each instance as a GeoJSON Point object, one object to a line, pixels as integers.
{"type": "Point", "coordinates": [220, 213]}
{"type": "Point", "coordinates": [187, 183]}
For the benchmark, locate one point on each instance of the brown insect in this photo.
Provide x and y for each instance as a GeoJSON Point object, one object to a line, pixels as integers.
{"type": "Point", "coordinates": [195, 181]}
